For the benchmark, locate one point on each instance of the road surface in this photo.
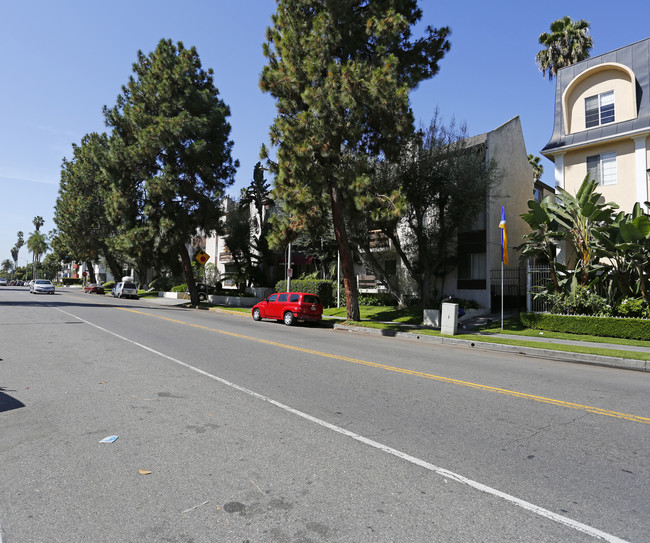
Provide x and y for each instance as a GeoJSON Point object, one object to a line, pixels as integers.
{"type": "Point", "coordinates": [240, 431]}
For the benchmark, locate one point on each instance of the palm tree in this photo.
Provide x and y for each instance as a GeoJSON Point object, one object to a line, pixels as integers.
{"type": "Point", "coordinates": [538, 168]}
{"type": "Point", "coordinates": [38, 222]}
{"type": "Point", "coordinates": [37, 244]}
{"type": "Point", "coordinates": [14, 255]}
{"type": "Point", "coordinates": [6, 265]}
{"type": "Point", "coordinates": [568, 42]}
{"type": "Point", "coordinates": [16, 249]}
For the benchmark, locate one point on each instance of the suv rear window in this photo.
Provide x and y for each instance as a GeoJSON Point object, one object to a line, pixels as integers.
{"type": "Point", "coordinates": [129, 285]}
{"type": "Point", "coordinates": [311, 299]}
{"type": "Point", "coordinates": [294, 297]}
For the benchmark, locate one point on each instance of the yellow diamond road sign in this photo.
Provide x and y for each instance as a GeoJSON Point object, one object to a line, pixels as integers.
{"type": "Point", "coordinates": [202, 257]}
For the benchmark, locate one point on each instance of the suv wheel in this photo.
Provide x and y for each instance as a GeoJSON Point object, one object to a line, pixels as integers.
{"type": "Point", "coordinates": [257, 316]}
{"type": "Point", "coordinates": [202, 296]}
{"type": "Point", "coordinates": [289, 319]}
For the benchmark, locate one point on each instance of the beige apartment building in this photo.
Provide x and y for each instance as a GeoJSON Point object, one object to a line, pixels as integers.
{"type": "Point", "coordinates": [602, 124]}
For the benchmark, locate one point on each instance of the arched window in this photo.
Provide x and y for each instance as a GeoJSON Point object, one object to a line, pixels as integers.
{"type": "Point", "coordinates": [603, 94]}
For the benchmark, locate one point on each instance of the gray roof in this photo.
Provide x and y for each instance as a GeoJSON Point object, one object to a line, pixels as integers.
{"type": "Point", "coordinates": [636, 57]}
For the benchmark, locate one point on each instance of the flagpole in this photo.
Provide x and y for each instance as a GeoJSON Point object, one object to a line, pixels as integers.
{"type": "Point", "coordinates": [504, 254]}
{"type": "Point", "coordinates": [502, 294]}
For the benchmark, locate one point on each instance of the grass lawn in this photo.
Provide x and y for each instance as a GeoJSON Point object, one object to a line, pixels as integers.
{"type": "Point", "coordinates": [390, 318]}
{"type": "Point", "coordinates": [411, 315]}
{"type": "Point", "coordinates": [147, 294]}
{"type": "Point", "coordinates": [584, 349]}
{"type": "Point", "coordinates": [488, 334]}
{"type": "Point", "coordinates": [513, 326]}
{"type": "Point", "coordinates": [246, 310]}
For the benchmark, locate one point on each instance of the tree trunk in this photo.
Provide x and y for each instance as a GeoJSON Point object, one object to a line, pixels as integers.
{"type": "Point", "coordinates": [91, 272]}
{"type": "Point", "coordinates": [349, 280]}
{"type": "Point", "coordinates": [189, 275]}
{"type": "Point", "coordinates": [425, 295]}
{"type": "Point", "coordinates": [113, 264]}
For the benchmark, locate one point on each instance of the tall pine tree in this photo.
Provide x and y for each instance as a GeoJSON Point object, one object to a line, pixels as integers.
{"type": "Point", "coordinates": [341, 72]}
{"type": "Point", "coordinates": [171, 153]}
{"type": "Point", "coordinates": [83, 229]}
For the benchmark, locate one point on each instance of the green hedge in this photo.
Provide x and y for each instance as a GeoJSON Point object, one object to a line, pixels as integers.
{"type": "Point", "coordinates": [324, 289]}
{"type": "Point", "coordinates": [71, 280]}
{"type": "Point", "coordinates": [593, 326]}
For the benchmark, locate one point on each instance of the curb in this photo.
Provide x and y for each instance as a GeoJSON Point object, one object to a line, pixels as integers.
{"type": "Point", "coordinates": [549, 354]}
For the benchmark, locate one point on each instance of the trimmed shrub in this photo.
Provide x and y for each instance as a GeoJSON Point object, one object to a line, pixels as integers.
{"type": "Point", "coordinates": [180, 288]}
{"type": "Point", "coordinates": [162, 282]}
{"type": "Point", "coordinates": [108, 285]}
{"type": "Point", "coordinates": [581, 302]}
{"type": "Point", "coordinates": [323, 288]}
{"type": "Point", "coordinates": [379, 299]}
{"type": "Point", "coordinates": [587, 325]}
{"type": "Point", "coordinates": [71, 280]}
{"type": "Point", "coordinates": [631, 307]}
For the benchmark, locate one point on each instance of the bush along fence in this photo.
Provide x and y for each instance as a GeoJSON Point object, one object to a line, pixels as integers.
{"type": "Point", "coordinates": [617, 327]}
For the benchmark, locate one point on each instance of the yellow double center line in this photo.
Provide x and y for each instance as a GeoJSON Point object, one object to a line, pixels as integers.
{"type": "Point", "coordinates": [551, 401]}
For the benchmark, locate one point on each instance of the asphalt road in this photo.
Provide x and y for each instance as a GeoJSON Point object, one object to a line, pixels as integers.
{"type": "Point", "coordinates": [256, 432]}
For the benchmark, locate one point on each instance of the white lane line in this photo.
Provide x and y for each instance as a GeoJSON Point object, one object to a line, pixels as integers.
{"type": "Point", "coordinates": [560, 519]}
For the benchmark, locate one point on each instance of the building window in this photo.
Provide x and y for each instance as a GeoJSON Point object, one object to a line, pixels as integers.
{"type": "Point", "coordinates": [599, 109]}
{"type": "Point", "coordinates": [602, 168]}
{"type": "Point", "coordinates": [472, 266]}
{"type": "Point", "coordinates": [472, 261]}
{"type": "Point", "coordinates": [472, 271]}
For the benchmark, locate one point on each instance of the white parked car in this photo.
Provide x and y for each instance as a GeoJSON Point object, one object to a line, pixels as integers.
{"type": "Point", "coordinates": [41, 286]}
{"type": "Point", "coordinates": [3, 282]}
{"type": "Point", "coordinates": [125, 290]}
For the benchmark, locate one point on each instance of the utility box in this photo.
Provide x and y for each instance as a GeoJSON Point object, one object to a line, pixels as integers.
{"type": "Point", "coordinates": [449, 320]}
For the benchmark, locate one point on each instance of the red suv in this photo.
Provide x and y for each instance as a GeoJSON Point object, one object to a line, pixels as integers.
{"type": "Point", "coordinates": [289, 307]}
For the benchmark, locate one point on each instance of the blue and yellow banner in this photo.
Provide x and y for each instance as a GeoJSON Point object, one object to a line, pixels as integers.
{"type": "Point", "coordinates": [504, 237]}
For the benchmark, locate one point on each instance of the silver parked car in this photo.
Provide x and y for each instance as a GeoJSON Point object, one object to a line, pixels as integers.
{"type": "Point", "coordinates": [125, 290]}
{"type": "Point", "coordinates": [41, 286]}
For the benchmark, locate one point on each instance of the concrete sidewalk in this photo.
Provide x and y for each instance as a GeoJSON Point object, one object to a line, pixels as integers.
{"type": "Point", "coordinates": [542, 338]}
{"type": "Point", "coordinates": [544, 351]}
{"type": "Point", "coordinates": [165, 301]}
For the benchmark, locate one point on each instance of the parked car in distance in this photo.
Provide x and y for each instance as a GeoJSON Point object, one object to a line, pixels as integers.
{"type": "Point", "coordinates": [41, 286]}
{"type": "Point", "coordinates": [94, 287]}
{"type": "Point", "coordinates": [125, 290]}
{"type": "Point", "coordinates": [289, 307]}
{"type": "Point", "coordinates": [3, 282]}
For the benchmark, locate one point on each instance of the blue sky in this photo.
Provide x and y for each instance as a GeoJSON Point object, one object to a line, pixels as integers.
{"type": "Point", "coordinates": [61, 62]}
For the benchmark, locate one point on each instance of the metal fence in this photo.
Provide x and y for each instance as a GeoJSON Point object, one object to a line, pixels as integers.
{"type": "Point", "coordinates": [514, 288]}
{"type": "Point", "coordinates": [519, 288]}
{"type": "Point", "coordinates": [538, 278]}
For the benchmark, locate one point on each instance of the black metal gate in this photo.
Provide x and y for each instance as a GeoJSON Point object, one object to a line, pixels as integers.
{"type": "Point", "coordinates": [514, 289]}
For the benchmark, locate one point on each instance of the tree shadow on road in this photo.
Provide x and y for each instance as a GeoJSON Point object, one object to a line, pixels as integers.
{"type": "Point", "coordinates": [7, 403]}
